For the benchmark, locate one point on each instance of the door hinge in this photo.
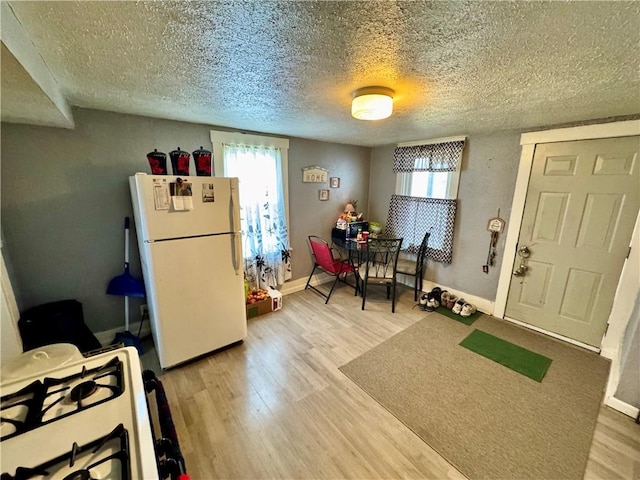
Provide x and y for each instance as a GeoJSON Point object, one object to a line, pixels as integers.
{"type": "Point", "coordinates": [629, 252]}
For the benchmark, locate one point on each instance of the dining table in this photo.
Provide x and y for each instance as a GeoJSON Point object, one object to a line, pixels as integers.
{"type": "Point", "coordinates": [354, 250]}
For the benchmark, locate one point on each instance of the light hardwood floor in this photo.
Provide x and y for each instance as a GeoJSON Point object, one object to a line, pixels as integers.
{"type": "Point", "coordinates": [277, 406]}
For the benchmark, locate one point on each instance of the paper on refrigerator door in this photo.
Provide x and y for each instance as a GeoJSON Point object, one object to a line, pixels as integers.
{"type": "Point", "coordinates": [181, 195]}
{"type": "Point", "coordinates": [161, 198]}
{"type": "Point", "coordinates": [208, 194]}
{"type": "Point", "coordinates": [182, 203]}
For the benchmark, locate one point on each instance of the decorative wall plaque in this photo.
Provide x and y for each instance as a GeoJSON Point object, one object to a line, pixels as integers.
{"type": "Point", "coordinates": [314, 174]}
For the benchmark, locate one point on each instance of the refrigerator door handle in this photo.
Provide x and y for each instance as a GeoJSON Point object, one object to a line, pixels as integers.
{"type": "Point", "coordinates": [237, 254]}
{"type": "Point", "coordinates": [235, 208]}
{"type": "Point", "coordinates": [235, 204]}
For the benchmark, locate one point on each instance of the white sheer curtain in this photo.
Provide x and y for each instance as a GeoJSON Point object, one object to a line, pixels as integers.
{"type": "Point", "coordinates": [265, 237]}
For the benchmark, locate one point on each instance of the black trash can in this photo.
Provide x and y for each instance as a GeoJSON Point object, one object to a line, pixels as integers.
{"type": "Point", "coordinates": [56, 322]}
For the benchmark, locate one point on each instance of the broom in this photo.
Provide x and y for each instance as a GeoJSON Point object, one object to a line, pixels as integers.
{"type": "Point", "coordinates": [126, 286]}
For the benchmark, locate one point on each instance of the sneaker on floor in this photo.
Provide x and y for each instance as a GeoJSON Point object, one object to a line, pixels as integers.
{"type": "Point", "coordinates": [424, 298]}
{"type": "Point", "coordinates": [452, 302]}
{"type": "Point", "coordinates": [467, 310]}
{"type": "Point", "coordinates": [457, 307]}
{"type": "Point", "coordinates": [448, 300]}
{"type": "Point", "coordinates": [433, 301]}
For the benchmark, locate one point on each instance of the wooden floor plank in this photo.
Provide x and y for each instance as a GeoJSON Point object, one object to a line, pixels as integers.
{"type": "Point", "coordinates": [277, 406]}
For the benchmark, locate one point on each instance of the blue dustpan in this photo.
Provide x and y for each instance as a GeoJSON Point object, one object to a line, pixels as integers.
{"type": "Point", "coordinates": [126, 285]}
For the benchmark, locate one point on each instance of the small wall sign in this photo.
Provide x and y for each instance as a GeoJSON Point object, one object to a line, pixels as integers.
{"type": "Point", "coordinates": [324, 195]}
{"type": "Point", "coordinates": [334, 182]}
{"type": "Point", "coordinates": [495, 225]}
{"type": "Point", "coordinates": [314, 174]}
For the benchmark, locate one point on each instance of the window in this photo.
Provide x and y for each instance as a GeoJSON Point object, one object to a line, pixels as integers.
{"type": "Point", "coordinates": [427, 175]}
{"type": "Point", "coordinates": [429, 168]}
{"type": "Point", "coordinates": [260, 163]}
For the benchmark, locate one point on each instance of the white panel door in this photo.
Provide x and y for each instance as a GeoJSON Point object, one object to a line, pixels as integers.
{"type": "Point", "coordinates": [11, 344]}
{"type": "Point", "coordinates": [214, 207]}
{"type": "Point", "coordinates": [579, 214]}
{"type": "Point", "coordinates": [197, 296]}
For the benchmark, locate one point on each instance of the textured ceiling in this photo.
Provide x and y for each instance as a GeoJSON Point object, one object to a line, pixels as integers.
{"type": "Point", "coordinates": [23, 101]}
{"type": "Point", "coordinates": [290, 67]}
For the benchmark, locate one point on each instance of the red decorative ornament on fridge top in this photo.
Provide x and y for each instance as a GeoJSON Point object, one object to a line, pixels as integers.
{"type": "Point", "coordinates": [180, 162]}
{"type": "Point", "coordinates": [202, 159]}
{"type": "Point", "coordinates": [157, 162]}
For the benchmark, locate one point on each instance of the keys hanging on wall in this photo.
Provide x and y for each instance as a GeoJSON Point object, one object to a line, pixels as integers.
{"type": "Point", "coordinates": [494, 226]}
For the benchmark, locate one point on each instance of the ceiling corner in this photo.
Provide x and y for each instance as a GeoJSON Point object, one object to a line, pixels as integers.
{"type": "Point", "coordinates": [19, 44]}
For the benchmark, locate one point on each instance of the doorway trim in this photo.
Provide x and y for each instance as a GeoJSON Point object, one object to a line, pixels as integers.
{"type": "Point", "coordinates": [528, 141]}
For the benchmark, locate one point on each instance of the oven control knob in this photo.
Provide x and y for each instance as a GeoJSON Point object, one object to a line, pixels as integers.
{"type": "Point", "coordinates": [169, 468]}
{"type": "Point", "coordinates": [164, 447]}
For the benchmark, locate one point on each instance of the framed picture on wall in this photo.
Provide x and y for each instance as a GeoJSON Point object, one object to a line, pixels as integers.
{"type": "Point", "coordinates": [314, 174]}
{"type": "Point", "coordinates": [324, 195]}
{"type": "Point", "coordinates": [334, 182]}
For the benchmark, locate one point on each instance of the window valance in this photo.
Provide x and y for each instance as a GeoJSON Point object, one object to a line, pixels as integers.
{"type": "Point", "coordinates": [435, 157]}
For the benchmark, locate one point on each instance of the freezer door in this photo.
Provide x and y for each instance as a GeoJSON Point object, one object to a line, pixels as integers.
{"type": "Point", "coordinates": [196, 298]}
{"type": "Point", "coordinates": [212, 208]}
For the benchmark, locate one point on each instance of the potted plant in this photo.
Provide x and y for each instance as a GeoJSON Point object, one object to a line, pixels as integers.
{"type": "Point", "coordinates": [374, 229]}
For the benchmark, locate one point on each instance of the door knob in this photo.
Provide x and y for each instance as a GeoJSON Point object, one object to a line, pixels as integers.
{"type": "Point", "coordinates": [524, 252]}
{"type": "Point", "coordinates": [520, 271]}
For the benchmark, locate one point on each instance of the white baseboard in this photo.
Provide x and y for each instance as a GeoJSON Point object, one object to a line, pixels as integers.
{"type": "Point", "coordinates": [105, 338]}
{"type": "Point", "coordinates": [299, 284]}
{"type": "Point", "coordinates": [482, 304]}
{"type": "Point", "coordinates": [622, 407]}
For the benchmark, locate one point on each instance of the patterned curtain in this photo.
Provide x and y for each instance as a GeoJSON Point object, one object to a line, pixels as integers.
{"type": "Point", "coordinates": [437, 157]}
{"type": "Point", "coordinates": [411, 217]}
{"type": "Point", "coordinates": [267, 260]}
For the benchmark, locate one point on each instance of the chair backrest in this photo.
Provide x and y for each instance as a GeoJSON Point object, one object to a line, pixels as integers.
{"type": "Point", "coordinates": [382, 257]}
{"type": "Point", "coordinates": [322, 253]}
{"type": "Point", "coordinates": [422, 252]}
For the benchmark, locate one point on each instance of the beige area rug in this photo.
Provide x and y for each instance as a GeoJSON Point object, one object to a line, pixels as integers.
{"type": "Point", "coordinates": [485, 419]}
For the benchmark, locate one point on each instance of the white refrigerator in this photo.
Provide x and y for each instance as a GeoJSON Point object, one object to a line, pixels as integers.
{"type": "Point", "coordinates": [190, 246]}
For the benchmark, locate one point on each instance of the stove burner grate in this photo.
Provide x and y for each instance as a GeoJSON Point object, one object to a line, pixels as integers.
{"type": "Point", "coordinates": [83, 390]}
{"type": "Point", "coordinates": [100, 452]}
{"type": "Point", "coordinates": [79, 475]}
{"type": "Point", "coordinates": [33, 397]}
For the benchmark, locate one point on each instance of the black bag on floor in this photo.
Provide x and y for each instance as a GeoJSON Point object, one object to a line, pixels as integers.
{"type": "Point", "coordinates": [56, 322]}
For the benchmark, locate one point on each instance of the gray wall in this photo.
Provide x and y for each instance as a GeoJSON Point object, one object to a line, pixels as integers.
{"type": "Point", "coordinates": [65, 193]}
{"type": "Point", "coordinates": [309, 215]}
{"type": "Point", "coordinates": [487, 181]}
{"type": "Point", "coordinates": [629, 385]}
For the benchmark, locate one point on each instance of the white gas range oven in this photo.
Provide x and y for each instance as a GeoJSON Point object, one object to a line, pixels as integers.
{"type": "Point", "coordinates": [89, 419]}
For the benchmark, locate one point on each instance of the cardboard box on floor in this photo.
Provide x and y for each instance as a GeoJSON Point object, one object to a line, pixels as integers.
{"type": "Point", "coordinates": [258, 308]}
{"type": "Point", "coordinates": [274, 302]}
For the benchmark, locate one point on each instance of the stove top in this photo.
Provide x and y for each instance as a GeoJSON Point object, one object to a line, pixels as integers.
{"type": "Point", "coordinates": [86, 420]}
{"type": "Point", "coordinates": [53, 398]}
{"type": "Point", "coordinates": [105, 457]}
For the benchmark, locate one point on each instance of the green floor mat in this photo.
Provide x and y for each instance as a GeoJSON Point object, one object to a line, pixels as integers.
{"type": "Point", "coordinates": [466, 320]}
{"type": "Point", "coordinates": [512, 356]}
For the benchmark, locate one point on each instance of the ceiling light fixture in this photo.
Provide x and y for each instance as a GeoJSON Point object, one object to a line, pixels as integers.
{"type": "Point", "coordinates": [372, 103]}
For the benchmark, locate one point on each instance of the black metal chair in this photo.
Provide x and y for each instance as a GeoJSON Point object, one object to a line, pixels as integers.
{"type": "Point", "coordinates": [416, 267]}
{"type": "Point", "coordinates": [381, 260]}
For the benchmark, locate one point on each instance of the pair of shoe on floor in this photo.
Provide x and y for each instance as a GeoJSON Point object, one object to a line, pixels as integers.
{"type": "Point", "coordinates": [457, 305]}
{"type": "Point", "coordinates": [431, 300]}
